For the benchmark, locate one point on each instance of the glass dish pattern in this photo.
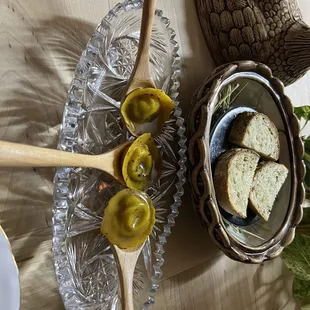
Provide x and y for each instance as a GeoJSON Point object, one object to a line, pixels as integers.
{"type": "Point", "coordinates": [84, 263]}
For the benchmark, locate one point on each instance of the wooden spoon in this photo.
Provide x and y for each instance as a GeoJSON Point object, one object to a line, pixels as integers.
{"type": "Point", "coordinates": [141, 77]}
{"type": "Point", "coordinates": [20, 155]}
{"type": "Point", "coordinates": [127, 260]}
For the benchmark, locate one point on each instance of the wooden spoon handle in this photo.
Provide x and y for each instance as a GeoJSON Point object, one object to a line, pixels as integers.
{"type": "Point", "coordinates": [141, 71]}
{"type": "Point", "coordinates": [127, 286]}
{"type": "Point", "coordinates": [20, 155]}
{"type": "Point", "coordinates": [126, 265]}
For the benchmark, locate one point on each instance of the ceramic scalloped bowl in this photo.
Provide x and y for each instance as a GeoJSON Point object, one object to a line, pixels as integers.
{"type": "Point", "coordinates": [254, 88]}
{"type": "Point", "coordinates": [84, 263]}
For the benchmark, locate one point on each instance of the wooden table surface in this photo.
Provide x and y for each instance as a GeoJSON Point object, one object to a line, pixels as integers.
{"type": "Point", "coordinates": [41, 41]}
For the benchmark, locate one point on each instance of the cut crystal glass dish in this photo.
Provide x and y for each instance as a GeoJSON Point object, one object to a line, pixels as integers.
{"type": "Point", "coordinates": [84, 263]}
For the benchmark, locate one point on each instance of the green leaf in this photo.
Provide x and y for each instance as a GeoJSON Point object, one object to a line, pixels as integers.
{"type": "Point", "coordinates": [307, 160]}
{"type": "Point", "coordinates": [303, 112]}
{"type": "Point", "coordinates": [304, 226]}
{"type": "Point", "coordinates": [301, 289]}
{"type": "Point", "coordinates": [307, 177]}
{"type": "Point", "coordinates": [297, 257]}
{"type": "Point", "coordinates": [306, 217]}
{"type": "Point", "coordinates": [307, 144]}
{"type": "Point", "coordinates": [305, 307]}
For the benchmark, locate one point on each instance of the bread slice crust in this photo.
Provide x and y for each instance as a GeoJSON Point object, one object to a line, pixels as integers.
{"type": "Point", "coordinates": [240, 134]}
{"type": "Point", "coordinates": [223, 176]}
{"type": "Point", "coordinates": [272, 185]}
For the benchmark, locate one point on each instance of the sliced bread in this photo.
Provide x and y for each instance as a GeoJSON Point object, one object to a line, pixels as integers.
{"type": "Point", "coordinates": [268, 180]}
{"type": "Point", "coordinates": [257, 132]}
{"type": "Point", "coordinates": [233, 177]}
